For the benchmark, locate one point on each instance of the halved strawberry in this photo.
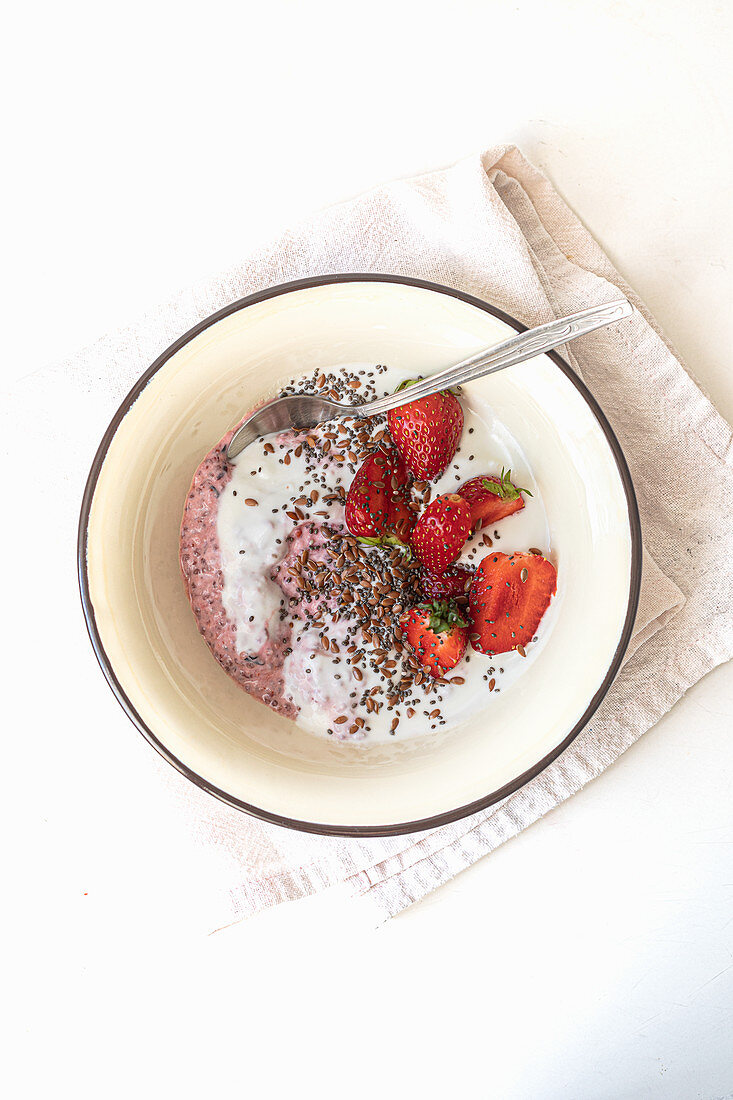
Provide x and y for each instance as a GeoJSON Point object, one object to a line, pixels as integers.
{"type": "Point", "coordinates": [438, 635]}
{"type": "Point", "coordinates": [377, 500]}
{"type": "Point", "coordinates": [507, 600]}
{"type": "Point", "coordinates": [367, 501]}
{"type": "Point", "coordinates": [441, 531]}
{"type": "Point", "coordinates": [444, 586]}
{"type": "Point", "coordinates": [426, 432]}
{"type": "Point", "coordinates": [492, 498]}
{"type": "Point", "coordinates": [402, 518]}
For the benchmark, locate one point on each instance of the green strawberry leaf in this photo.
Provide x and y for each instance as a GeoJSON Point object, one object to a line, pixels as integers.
{"type": "Point", "coordinates": [387, 540]}
{"type": "Point", "coordinates": [443, 615]}
{"type": "Point", "coordinates": [503, 488]}
{"type": "Point", "coordinates": [412, 381]}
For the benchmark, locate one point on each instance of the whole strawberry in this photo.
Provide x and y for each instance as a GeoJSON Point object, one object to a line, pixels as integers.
{"type": "Point", "coordinates": [438, 635]}
{"type": "Point", "coordinates": [426, 432]}
{"type": "Point", "coordinates": [445, 586]}
{"type": "Point", "coordinates": [492, 498]}
{"type": "Point", "coordinates": [441, 531]}
{"type": "Point", "coordinates": [376, 503]}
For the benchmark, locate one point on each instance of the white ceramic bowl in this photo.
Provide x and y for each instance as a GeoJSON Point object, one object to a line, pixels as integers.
{"type": "Point", "coordinates": [145, 635]}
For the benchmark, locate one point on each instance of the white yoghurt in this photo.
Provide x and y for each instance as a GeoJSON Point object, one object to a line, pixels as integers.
{"type": "Point", "coordinates": [252, 601]}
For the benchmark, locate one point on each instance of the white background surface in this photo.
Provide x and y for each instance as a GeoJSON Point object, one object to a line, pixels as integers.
{"type": "Point", "coordinates": [151, 144]}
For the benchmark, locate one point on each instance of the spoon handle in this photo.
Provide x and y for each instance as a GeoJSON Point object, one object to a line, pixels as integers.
{"type": "Point", "coordinates": [526, 345]}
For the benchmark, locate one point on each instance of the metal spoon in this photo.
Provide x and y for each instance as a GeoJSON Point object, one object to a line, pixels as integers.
{"type": "Point", "coordinates": [303, 411]}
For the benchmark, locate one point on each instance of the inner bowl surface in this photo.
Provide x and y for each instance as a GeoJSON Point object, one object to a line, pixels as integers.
{"type": "Point", "coordinates": [145, 635]}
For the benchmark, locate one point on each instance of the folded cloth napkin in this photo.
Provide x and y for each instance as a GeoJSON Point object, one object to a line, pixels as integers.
{"type": "Point", "coordinates": [493, 226]}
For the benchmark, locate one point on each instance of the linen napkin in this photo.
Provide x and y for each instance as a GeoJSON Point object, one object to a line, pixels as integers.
{"type": "Point", "coordinates": [493, 226]}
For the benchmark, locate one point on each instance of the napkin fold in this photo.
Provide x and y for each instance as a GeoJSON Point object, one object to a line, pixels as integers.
{"type": "Point", "coordinates": [495, 227]}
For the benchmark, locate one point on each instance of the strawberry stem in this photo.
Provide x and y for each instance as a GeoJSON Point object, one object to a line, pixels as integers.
{"type": "Point", "coordinates": [443, 615]}
{"type": "Point", "coordinates": [387, 540]}
{"type": "Point", "coordinates": [503, 487]}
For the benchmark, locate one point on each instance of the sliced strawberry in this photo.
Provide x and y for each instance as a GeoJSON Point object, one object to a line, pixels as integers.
{"type": "Point", "coordinates": [426, 432]}
{"type": "Point", "coordinates": [441, 531]}
{"type": "Point", "coordinates": [377, 500]}
{"type": "Point", "coordinates": [445, 586]}
{"type": "Point", "coordinates": [507, 599]}
{"type": "Point", "coordinates": [438, 635]}
{"type": "Point", "coordinates": [492, 498]}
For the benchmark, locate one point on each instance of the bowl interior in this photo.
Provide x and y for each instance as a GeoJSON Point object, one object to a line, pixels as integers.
{"type": "Point", "coordinates": [204, 721]}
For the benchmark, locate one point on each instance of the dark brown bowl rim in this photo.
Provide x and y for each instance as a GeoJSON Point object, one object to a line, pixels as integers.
{"type": "Point", "coordinates": [354, 830]}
